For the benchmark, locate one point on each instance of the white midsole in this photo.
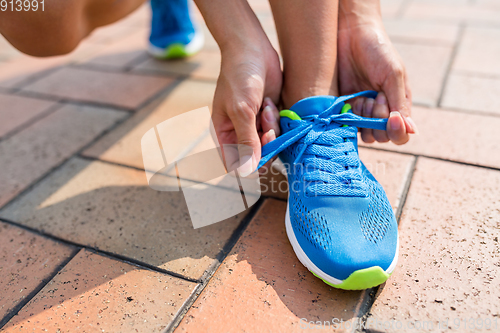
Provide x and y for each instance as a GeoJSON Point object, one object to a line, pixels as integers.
{"type": "Point", "coordinates": [192, 47]}
{"type": "Point", "coordinates": [304, 259]}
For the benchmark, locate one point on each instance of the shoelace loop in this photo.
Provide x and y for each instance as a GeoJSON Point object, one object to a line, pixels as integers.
{"type": "Point", "coordinates": [326, 126]}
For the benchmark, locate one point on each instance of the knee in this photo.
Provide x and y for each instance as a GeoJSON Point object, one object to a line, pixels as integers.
{"type": "Point", "coordinates": [43, 36]}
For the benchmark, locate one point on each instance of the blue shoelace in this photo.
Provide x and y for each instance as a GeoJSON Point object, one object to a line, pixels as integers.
{"type": "Point", "coordinates": [328, 158]}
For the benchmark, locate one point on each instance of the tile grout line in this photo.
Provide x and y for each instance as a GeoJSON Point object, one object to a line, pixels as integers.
{"type": "Point", "coordinates": [131, 70]}
{"type": "Point", "coordinates": [108, 254]}
{"type": "Point", "coordinates": [79, 152]}
{"type": "Point", "coordinates": [454, 52]}
{"type": "Point", "coordinates": [457, 110]}
{"type": "Point", "coordinates": [370, 294]}
{"type": "Point", "coordinates": [75, 101]}
{"type": "Point", "coordinates": [61, 164]}
{"type": "Point", "coordinates": [38, 288]}
{"type": "Point", "coordinates": [402, 9]}
{"type": "Point", "coordinates": [468, 73]}
{"type": "Point", "coordinates": [210, 272]}
{"type": "Point", "coordinates": [434, 158]}
{"type": "Point", "coordinates": [32, 121]}
{"type": "Point", "coordinates": [33, 78]}
{"type": "Point", "coordinates": [406, 188]}
{"type": "Point", "coordinates": [97, 159]}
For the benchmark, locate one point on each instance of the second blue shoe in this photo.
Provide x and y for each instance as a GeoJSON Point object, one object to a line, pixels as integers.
{"type": "Point", "coordinates": [173, 33]}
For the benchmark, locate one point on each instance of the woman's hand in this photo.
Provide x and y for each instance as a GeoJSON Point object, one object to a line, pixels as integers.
{"type": "Point", "coordinates": [368, 60]}
{"type": "Point", "coordinates": [244, 110]}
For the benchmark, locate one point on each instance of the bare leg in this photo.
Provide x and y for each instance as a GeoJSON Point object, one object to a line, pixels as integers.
{"type": "Point", "coordinates": [62, 25]}
{"type": "Point", "coordinates": [307, 32]}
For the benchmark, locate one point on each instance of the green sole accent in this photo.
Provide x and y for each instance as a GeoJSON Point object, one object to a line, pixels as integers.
{"type": "Point", "coordinates": [361, 279]}
{"type": "Point", "coordinates": [289, 114]}
{"type": "Point", "coordinates": [175, 51]}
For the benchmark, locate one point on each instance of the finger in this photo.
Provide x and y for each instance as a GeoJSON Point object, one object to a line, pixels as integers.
{"type": "Point", "coordinates": [266, 138]}
{"type": "Point", "coordinates": [396, 129]}
{"type": "Point", "coordinates": [357, 106]}
{"type": "Point", "coordinates": [380, 110]}
{"type": "Point", "coordinates": [409, 120]}
{"type": "Point", "coordinates": [249, 148]}
{"type": "Point", "coordinates": [395, 89]}
{"type": "Point", "coordinates": [270, 117]}
{"type": "Point", "coordinates": [367, 133]}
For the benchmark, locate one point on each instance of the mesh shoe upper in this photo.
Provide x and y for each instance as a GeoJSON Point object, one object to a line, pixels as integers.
{"type": "Point", "coordinates": [339, 213]}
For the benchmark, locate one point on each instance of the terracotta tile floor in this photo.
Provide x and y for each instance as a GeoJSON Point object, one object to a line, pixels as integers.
{"type": "Point", "coordinates": [86, 245]}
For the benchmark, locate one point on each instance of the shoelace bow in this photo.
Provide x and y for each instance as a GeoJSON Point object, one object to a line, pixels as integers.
{"type": "Point", "coordinates": [325, 154]}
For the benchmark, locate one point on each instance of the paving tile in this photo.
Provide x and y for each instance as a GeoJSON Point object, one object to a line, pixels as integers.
{"type": "Point", "coordinates": [479, 51]}
{"type": "Point", "coordinates": [483, 12]}
{"type": "Point", "coordinates": [449, 259]}
{"type": "Point", "coordinates": [120, 89]}
{"type": "Point", "coordinates": [426, 66]}
{"type": "Point", "coordinates": [94, 293]}
{"type": "Point", "coordinates": [452, 135]}
{"type": "Point", "coordinates": [262, 287]}
{"type": "Point", "coordinates": [391, 8]}
{"type": "Point", "coordinates": [16, 111]}
{"type": "Point", "coordinates": [27, 260]}
{"type": "Point", "coordinates": [204, 65]}
{"type": "Point", "coordinates": [421, 31]}
{"type": "Point", "coordinates": [112, 208]}
{"type": "Point", "coordinates": [473, 93]}
{"type": "Point", "coordinates": [141, 17]}
{"type": "Point", "coordinates": [123, 145]}
{"type": "Point", "coordinates": [119, 54]}
{"type": "Point", "coordinates": [7, 51]}
{"type": "Point", "coordinates": [260, 6]}
{"type": "Point", "coordinates": [29, 154]}
{"type": "Point", "coordinates": [24, 69]}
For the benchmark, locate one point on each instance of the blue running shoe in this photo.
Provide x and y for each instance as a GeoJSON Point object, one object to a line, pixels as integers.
{"type": "Point", "coordinates": [339, 221]}
{"type": "Point", "coordinates": [173, 34]}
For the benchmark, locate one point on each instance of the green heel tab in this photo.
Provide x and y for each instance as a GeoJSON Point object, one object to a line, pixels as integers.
{"type": "Point", "coordinates": [289, 114]}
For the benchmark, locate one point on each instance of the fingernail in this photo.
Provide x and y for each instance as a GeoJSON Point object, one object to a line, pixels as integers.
{"type": "Point", "coordinates": [413, 125]}
{"type": "Point", "coordinates": [394, 122]}
{"type": "Point", "coordinates": [267, 101]}
{"type": "Point", "coordinates": [381, 99]}
{"type": "Point", "coordinates": [246, 167]}
{"type": "Point", "coordinates": [271, 135]}
{"type": "Point", "coordinates": [269, 114]}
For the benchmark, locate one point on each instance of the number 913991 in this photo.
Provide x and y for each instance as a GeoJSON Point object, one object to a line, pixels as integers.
{"type": "Point", "coordinates": [22, 5]}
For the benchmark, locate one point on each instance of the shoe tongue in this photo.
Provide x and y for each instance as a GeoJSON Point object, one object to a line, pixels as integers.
{"type": "Point", "coordinates": [313, 105]}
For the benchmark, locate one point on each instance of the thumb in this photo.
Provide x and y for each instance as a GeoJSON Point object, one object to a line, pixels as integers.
{"type": "Point", "coordinates": [395, 89]}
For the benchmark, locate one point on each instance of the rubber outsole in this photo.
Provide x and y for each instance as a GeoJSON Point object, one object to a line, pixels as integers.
{"type": "Point", "coordinates": [178, 50]}
{"type": "Point", "coordinates": [358, 280]}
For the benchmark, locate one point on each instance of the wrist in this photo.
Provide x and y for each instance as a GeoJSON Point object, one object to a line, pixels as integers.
{"type": "Point", "coordinates": [359, 12]}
